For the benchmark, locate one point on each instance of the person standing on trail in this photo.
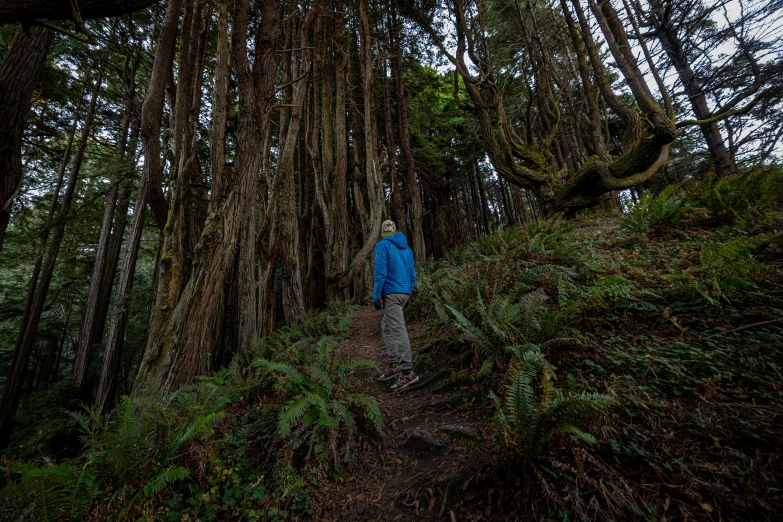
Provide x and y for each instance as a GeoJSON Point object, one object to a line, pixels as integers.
{"type": "Point", "coordinates": [394, 280]}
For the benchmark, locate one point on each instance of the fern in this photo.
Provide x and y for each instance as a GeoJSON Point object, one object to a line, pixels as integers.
{"type": "Point", "coordinates": [56, 492]}
{"type": "Point", "coordinates": [163, 479]}
{"type": "Point", "coordinates": [651, 211]}
{"type": "Point", "coordinates": [486, 369]}
{"type": "Point", "coordinates": [198, 427]}
{"type": "Point", "coordinates": [317, 413]}
{"type": "Point", "coordinates": [534, 413]}
{"type": "Point", "coordinates": [735, 196]}
{"type": "Point", "coordinates": [505, 323]}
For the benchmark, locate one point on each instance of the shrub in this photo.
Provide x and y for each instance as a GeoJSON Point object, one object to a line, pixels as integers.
{"type": "Point", "coordinates": [319, 413]}
{"type": "Point", "coordinates": [208, 452]}
{"type": "Point", "coordinates": [506, 323]}
{"type": "Point", "coordinates": [735, 196]}
{"type": "Point", "coordinates": [531, 416]}
{"type": "Point", "coordinates": [129, 454]}
{"type": "Point", "coordinates": [653, 212]}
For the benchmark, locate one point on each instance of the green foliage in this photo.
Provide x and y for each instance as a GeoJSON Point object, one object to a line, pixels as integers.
{"type": "Point", "coordinates": [613, 290]}
{"type": "Point", "coordinates": [734, 197]}
{"type": "Point", "coordinates": [41, 426]}
{"type": "Point", "coordinates": [506, 324]}
{"type": "Point", "coordinates": [725, 268]}
{"type": "Point", "coordinates": [164, 478]}
{"type": "Point", "coordinates": [512, 288]}
{"type": "Point", "coordinates": [318, 413]}
{"type": "Point", "coordinates": [654, 211]}
{"type": "Point", "coordinates": [684, 377]}
{"type": "Point", "coordinates": [297, 341]}
{"type": "Point", "coordinates": [535, 413]}
{"type": "Point", "coordinates": [209, 451]}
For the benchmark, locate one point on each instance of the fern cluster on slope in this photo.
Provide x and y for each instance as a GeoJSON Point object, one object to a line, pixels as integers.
{"type": "Point", "coordinates": [219, 449]}
{"type": "Point", "coordinates": [678, 329]}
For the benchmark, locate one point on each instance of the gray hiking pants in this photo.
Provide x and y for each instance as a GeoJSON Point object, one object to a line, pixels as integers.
{"type": "Point", "coordinates": [395, 336]}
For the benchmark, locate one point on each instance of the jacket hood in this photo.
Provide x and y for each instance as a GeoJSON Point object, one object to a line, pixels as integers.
{"type": "Point", "coordinates": [398, 240]}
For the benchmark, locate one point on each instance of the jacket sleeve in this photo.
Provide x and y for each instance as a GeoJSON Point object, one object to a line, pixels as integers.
{"type": "Point", "coordinates": [381, 267]}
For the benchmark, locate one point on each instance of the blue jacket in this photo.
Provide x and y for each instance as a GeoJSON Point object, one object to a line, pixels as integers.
{"type": "Point", "coordinates": [394, 272]}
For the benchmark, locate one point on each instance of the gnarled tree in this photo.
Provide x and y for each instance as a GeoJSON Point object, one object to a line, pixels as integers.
{"type": "Point", "coordinates": [535, 164]}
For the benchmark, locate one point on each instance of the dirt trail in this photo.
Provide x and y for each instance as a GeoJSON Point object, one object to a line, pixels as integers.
{"type": "Point", "coordinates": [422, 466]}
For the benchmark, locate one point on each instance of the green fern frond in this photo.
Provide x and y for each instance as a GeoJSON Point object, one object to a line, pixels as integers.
{"type": "Point", "coordinates": [486, 369]}
{"type": "Point", "coordinates": [371, 409]}
{"type": "Point", "coordinates": [474, 334]}
{"type": "Point", "coordinates": [198, 427]}
{"type": "Point", "coordinates": [293, 411]}
{"type": "Point", "coordinates": [163, 479]}
{"type": "Point", "coordinates": [530, 418]}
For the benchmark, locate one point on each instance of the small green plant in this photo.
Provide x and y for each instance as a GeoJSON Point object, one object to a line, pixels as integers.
{"type": "Point", "coordinates": [735, 196]}
{"type": "Point", "coordinates": [319, 413]}
{"type": "Point", "coordinates": [128, 452]}
{"type": "Point", "coordinates": [509, 323]}
{"type": "Point", "coordinates": [653, 212]}
{"type": "Point", "coordinates": [535, 413]}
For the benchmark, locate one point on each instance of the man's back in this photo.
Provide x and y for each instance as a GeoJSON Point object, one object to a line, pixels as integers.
{"type": "Point", "coordinates": [394, 269]}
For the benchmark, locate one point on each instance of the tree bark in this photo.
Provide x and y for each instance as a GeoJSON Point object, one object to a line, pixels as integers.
{"type": "Point", "coordinates": [109, 243]}
{"type": "Point", "coordinates": [18, 76]}
{"type": "Point", "coordinates": [397, 210]}
{"type": "Point", "coordinates": [13, 384]}
{"type": "Point", "coordinates": [285, 231]}
{"type": "Point", "coordinates": [182, 349]}
{"type": "Point", "coordinates": [119, 321]}
{"type": "Point", "coordinates": [338, 247]}
{"type": "Point", "coordinates": [414, 192]}
{"type": "Point", "coordinates": [152, 111]}
{"type": "Point", "coordinates": [373, 180]}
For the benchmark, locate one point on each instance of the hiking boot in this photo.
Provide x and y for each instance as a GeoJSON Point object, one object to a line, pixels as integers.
{"type": "Point", "coordinates": [404, 379]}
{"type": "Point", "coordinates": [392, 371]}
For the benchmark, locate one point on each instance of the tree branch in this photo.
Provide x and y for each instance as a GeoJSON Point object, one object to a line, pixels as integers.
{"type": "Point", "coordinates": [30, 11]}
{"type": "Point", "coordinates": [724, 114]}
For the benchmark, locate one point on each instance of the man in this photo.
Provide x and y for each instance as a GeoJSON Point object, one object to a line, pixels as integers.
{"type": "Point", "coordinates": [394, 280]}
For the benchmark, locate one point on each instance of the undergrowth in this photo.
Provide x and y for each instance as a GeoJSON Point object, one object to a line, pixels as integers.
{"type": "Point", "coordinates": [218, 449]}
{"type": "Point", "coordinates": [637, 360]}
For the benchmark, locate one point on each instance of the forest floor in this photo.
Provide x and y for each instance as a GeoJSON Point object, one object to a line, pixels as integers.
{"type": "Point", "coordinates": [429, 453]}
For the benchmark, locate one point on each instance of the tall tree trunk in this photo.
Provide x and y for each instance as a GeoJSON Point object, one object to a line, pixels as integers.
{"type": "Point", "coordinates": [13, 384]}
{"type": "Point", "coordinates": [286, 220]}
{"type": "Point", "coordinates": [414, 192]}
{"type": "Point", "coordinates": [376, 197]}
{"type": "Point", "coordinates": [119, 321]}
{"type": "Point", "coordinates": [723, 161]}
{"type": "Point", "coordinates": [182, 348]}
{"type": "Point", "coordinates": [109, 243]}
{"type": "Point", "coordinates": [152, 111]}
{"type": "Point", "coordinates": [177, 259]}
{"type": "Point", "coordinates": [397, 210]}
{"type": "Point", "coordinates": [49, 218]}
{"type": "Point", "coordinates": [18, 75]}
{"type": "Point", "coordinates": [338, 252]}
